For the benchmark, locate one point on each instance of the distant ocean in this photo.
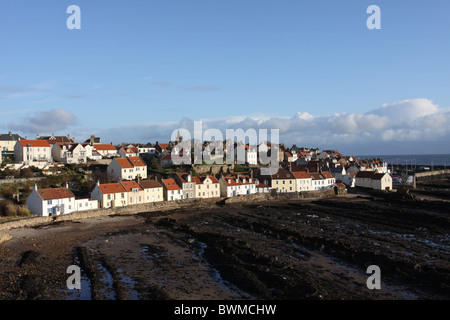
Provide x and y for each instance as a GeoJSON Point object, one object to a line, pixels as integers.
{"type": "Point", "coordinates": [413, 159]}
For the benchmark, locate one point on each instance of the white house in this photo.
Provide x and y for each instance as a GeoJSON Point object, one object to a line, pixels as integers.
{"type": "Point", "coordinates": [127, 169]}
{"type": "Point", "coordinates": [318, 181]}
{"type": "Point", "coordinates": [69, 153]}
{"type": "Point", "coordinates": [330, 179]}
{"type": "Point", "coordinates": [49, 202]}
{"type": "Point", "coordinates": [303, 181]}
{"type": "Point", "coordinates": [235, 186]}
{"type": "Point", "coordinates": [373, 180]}
{"type": "Point", "coordinates": [106, 150]}
{"type": "Point", "coordinates": [251, 155]}
{"type": "Point", "coordinates": [110, 195]}
{"type": "Point", "coordinates": [33, 152]}
{"type": "Point", "coordinates": [382, 181]}
{"type": "Point", "coordinates": [147, 149]}
{"type": "Point", "coordinates": [172, 191]}
{"type": "Point", "coordinates": [85, 204]}
{"type": "Point", "coordinates": [261, 187]}
{"type": "Point", "coordinates": [130, 151]}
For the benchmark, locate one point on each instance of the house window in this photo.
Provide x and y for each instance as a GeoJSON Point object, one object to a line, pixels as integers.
{"type": "Point", "coordinates": [49, 201]}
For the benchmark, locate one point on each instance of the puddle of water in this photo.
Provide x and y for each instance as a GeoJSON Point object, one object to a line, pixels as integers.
{"type": "Point", "coordinates": [129, 284]}
{"type": "Point", "coordinates": [199, 251]}
{"type": "Point", "coordinates": [85, 292]}
{"type": "Point", "coordinates": [108, 281]}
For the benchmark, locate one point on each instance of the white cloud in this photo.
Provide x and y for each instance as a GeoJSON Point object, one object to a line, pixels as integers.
{"type": "Point", "coordinates": [385, 128]}
{"type": "Point", "coordinates": [52, 121]}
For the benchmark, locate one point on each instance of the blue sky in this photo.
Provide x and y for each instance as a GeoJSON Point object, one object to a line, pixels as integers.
{"type": "Point", "coordinates": [139, 69]}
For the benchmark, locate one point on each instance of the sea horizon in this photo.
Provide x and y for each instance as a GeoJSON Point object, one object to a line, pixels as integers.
{"type": "Point", "coordinates": [412, 159]}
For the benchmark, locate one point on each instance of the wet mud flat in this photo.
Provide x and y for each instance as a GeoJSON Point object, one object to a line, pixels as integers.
{"type": "Point", "coordinates": [280, 249]}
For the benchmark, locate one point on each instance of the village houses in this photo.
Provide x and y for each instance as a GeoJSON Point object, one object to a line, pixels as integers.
{"type": "Point", "coordinates": [303, 181]}
{"type": "Point", "coordinates": [283, 181]}
{"type": "Point", "coordinates": [231, 186]}
{"type": "Point", "coordinates": [105, 150]}
{"type": "Point", "coordinates": [8, 142]}
{"type": "Point", "coordinates": [171, 189]}
{"type": "Point", "coordinates": [373, 180]}
{"type": "Point", "coordinates": [153, 190]}
{"type": "Point", "coordinates": [187, 184]}
{"type": "Point", "coordinates": [127, 169]}
{"type": "Point", "coordinates": [130, 151]}
{"type": "Point", "coordinates": [110, 195]}
{"type": "Point", "coordinates": [206, 187]}
{"type": "Point", "coordinates": [33, 152]}
{"type": "Point", "coordinates": [69, 153]}
{"type": "Point", "coordinates": [57, 201]}
{"type": "Point", "coordinates": [135, 192]}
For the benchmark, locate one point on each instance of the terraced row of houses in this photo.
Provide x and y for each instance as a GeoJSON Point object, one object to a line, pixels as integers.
{"type": "Point", "coordinates": [45, 202]}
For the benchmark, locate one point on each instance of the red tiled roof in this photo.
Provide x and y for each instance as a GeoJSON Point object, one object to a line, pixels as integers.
{"type": "Point", "coordinates": [327, 174]}
{"type": "Point", "coordinates": [130, 150]}
{"type": "Point", "coordinates": [301, 175]}
{"type": "Point", "coordinates": [183, 176]}
{"type": "Point", "coordinates": [234, 181]}
{"type": "Point", "coordinates": [105, 147]}
{"type": "Point", "coordinates": [56, 193]}
{"type": "Point", "coordinates": [170, 184]}
{"type": "Point", "coordinates": [130, 185]}
{"type": "Point", "coordinates": [199, 180]}
{"type": "Point", "coordinates": [109, 188]}
{"type": "Point", "coordinates": [124, 163]}
{"type": "Point", "coordinates": [163, 145]}
{"type": "Point", "coordinates": [137, 161]}
{"type": "Point", "coordinates": [35, 143]}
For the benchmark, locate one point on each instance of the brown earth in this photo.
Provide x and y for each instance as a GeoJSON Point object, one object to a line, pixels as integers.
{"type": "Point", "coordinates": [280, 249]}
